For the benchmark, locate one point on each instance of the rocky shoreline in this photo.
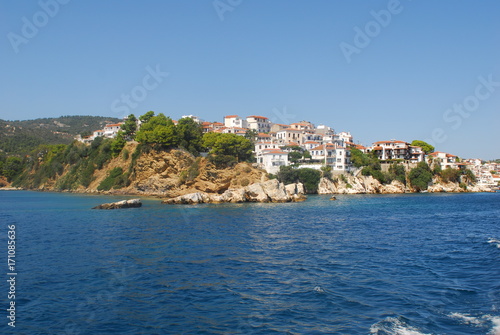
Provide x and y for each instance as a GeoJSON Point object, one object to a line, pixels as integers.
{"type": "Point", "coordinates": [269, 191]}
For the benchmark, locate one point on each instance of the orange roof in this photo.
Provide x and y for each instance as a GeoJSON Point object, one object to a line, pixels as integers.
{"type": "Point", "coordinates": [380, 142]}
{"type": "Point", "coordinates": [311, 142]}
{"type": "Point", "coordinates": [293, 143]}
{"type": "Point", "coordinates": [113, 125]}
{"type": "Point", "coordinates": [450, 155]}
{"type": "Point", "coordinates": [329, 146]}
{"type": "Point", "coordinates": [230, 116]}
{"type": "Point", "coordinates": [273, 152]}
{"type": "Point", "coordinates": [257, 117]}
{"type": "Point", "coordinates": [377, 148]}
{"type": "Point", "coordinates": [263, 135]}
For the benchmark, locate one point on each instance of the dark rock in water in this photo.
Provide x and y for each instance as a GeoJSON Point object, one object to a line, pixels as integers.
{"type": "Point", "coordinates": [333, 198]}
{"type": "Point", "coordinates": [121, 204]}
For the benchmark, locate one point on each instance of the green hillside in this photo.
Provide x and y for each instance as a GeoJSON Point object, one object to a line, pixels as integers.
{"type": "Point", "coordinates": [21, 137]}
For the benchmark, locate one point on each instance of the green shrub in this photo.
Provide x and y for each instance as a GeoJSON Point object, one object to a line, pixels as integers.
{"type": "Point", "coordinates": [420, 177]}
{"type": "Point", "coordinates": [450, 175]}
{"type": "Point", "coordinates": [115, 179]}
{"type": "Point", "coordinates": [310, 178]}
{"type": "Point", "coordinates": [287, 175]}
{"type": "Point", "coordinates": [125, 154]}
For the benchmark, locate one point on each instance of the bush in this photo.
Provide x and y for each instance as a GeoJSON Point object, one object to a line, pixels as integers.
{"type": "Point", "coordinates": [310, 178]}
{"type": "Point", "coordinates": [191, 173]}
{"type": "Point", "coordinates": [397, 172]}
{"type": "Point", "coordinates": [222, 161]}
{"type": "Point", "coordinates": [327, 172]}
{"type": "Point", "coordinates": [420, 177]}
{"type": "Point", "coordinates": [287, 175]}
{"type": "Point", "coordinates": [245, 182]}
{"type": "Point", "coordinates": [450, 175]}
{"type": "Point", "coordinates": [115, 179]}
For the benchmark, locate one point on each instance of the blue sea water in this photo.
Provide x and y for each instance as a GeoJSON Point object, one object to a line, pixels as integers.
{"type": "Point", "coordinates": [364, 264]}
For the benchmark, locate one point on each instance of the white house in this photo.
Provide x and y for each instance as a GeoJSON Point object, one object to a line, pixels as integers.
{"type": "Point", "coordinates": [393, 149]}
{"type": "Point", "coordinates": [272, 159]}
{"type": "Point", "coordinates": [444, 159]}
{"type": "Point", "coordinates": [339, 158]}
{"type": "Point", "coordinates": [111, 130]}
{"type": "Point", "coordinates": [261, 146]}
{"type": "Point", "coordinates": [235, 121]}
{"type": "Point", "coordinates": [260, 123]}
{"type": "Point", "coordinates": [195, 118]}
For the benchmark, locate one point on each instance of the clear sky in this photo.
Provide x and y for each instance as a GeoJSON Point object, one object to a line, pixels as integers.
{"type": "Point", "coordinates": [382, 70]}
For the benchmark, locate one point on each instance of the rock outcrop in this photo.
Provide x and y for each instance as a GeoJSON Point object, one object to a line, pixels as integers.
{"type": "Point", "coordinates": [121, 204]}
{"type": "Point", "coordinates": [269, 191]}
{"type": "Point", "coordinates": [358, 185]}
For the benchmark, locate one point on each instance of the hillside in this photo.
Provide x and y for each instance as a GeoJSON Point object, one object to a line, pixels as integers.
{"type": "Point", "coordinates": [21, 137]}
{"type": "Point", "coordinates": [136, 170]}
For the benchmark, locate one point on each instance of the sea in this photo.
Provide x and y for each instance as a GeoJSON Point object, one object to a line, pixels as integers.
{"type": "Point", "coordinates": [364, 264]}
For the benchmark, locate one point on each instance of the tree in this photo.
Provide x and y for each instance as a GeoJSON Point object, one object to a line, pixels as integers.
{"type": "Point", "coordinates": [450, 175]}
{"type": "Point", "coordinates": [158, 130]}
{"type": "Point", "coordinates": [251, 134]}
{"type": "Point", "coordinates": [310, 178]}
{"type": "Point", "coordinates": [426, 147]}
{"type": "Point", "coordinates": [287, 175]}
{"type": "Point", "coordinates": [294, 157]}
{"type": "Point", "coordinates": [358, 158]}
{"type": "Point", "coordinates": [190, 135]}
{"type": "Point", "coordinates": [130, 126]}
{"type": "Point", "coordinates": [12, 167]}
{"type": "Point", "coordinates": [224, 146]}
{"type": "Point", "coordinates": [118, 143]}
{"type": "Point", "coordinates": [420, 177]}
{"type": "Point", "coordinates": [146, 117]}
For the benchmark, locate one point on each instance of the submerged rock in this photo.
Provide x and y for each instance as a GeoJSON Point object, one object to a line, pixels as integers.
{"type": "Point", "coordinates": [121, 204]}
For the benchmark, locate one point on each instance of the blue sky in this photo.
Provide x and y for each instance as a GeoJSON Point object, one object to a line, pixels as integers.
{"type": "Point", "coordinates": [428, 71]}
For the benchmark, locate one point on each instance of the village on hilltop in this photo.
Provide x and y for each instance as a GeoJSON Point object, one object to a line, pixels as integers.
{"type": "Point", "coordinates": [321, 146]}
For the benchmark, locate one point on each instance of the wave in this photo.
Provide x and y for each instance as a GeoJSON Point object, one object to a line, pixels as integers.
{"type": "Point", "coordinates": [394, 326]}
{"type": "Point", "coordinates": [485, 321]}
{"type": "Point", "coordinates": [494, 241]}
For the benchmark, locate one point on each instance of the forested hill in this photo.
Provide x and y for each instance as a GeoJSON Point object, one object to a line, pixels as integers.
{"type": "Point", "coordinates": [21, 137]}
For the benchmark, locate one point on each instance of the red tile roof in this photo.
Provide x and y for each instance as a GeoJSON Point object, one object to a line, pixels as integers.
{"type": "Point", "coordinates": [258, 117]}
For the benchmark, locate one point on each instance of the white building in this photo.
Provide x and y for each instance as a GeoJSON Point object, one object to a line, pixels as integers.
{"type": "Point", "coordinates": [111, 130]}
{"type": "Point", "coordinates": [235, 121]}
{"type": "Point", "coordinates": [444, 159]}
{"type": "Point", "coordinates": [261, 146]}
{"type": "Point", "coordinates": [260, 123]}
{"type": "Point", "coordinates": [195, 118]}
{"type": "Point", "coordinates": [339, 158]}
{"type": "Point", "coordinates": [272, 159]}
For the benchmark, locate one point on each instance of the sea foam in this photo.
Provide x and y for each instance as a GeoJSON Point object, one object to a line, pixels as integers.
{"type": "Point", "coordinates": [394, 326]}
{"type": "Point", "coordinates": [494, 241]}
{"type": "Point", "coordinates": [486, 321]}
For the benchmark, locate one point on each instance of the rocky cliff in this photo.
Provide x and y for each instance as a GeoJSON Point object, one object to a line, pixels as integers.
{"type": "Point", "coordinates": [165, 174]}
